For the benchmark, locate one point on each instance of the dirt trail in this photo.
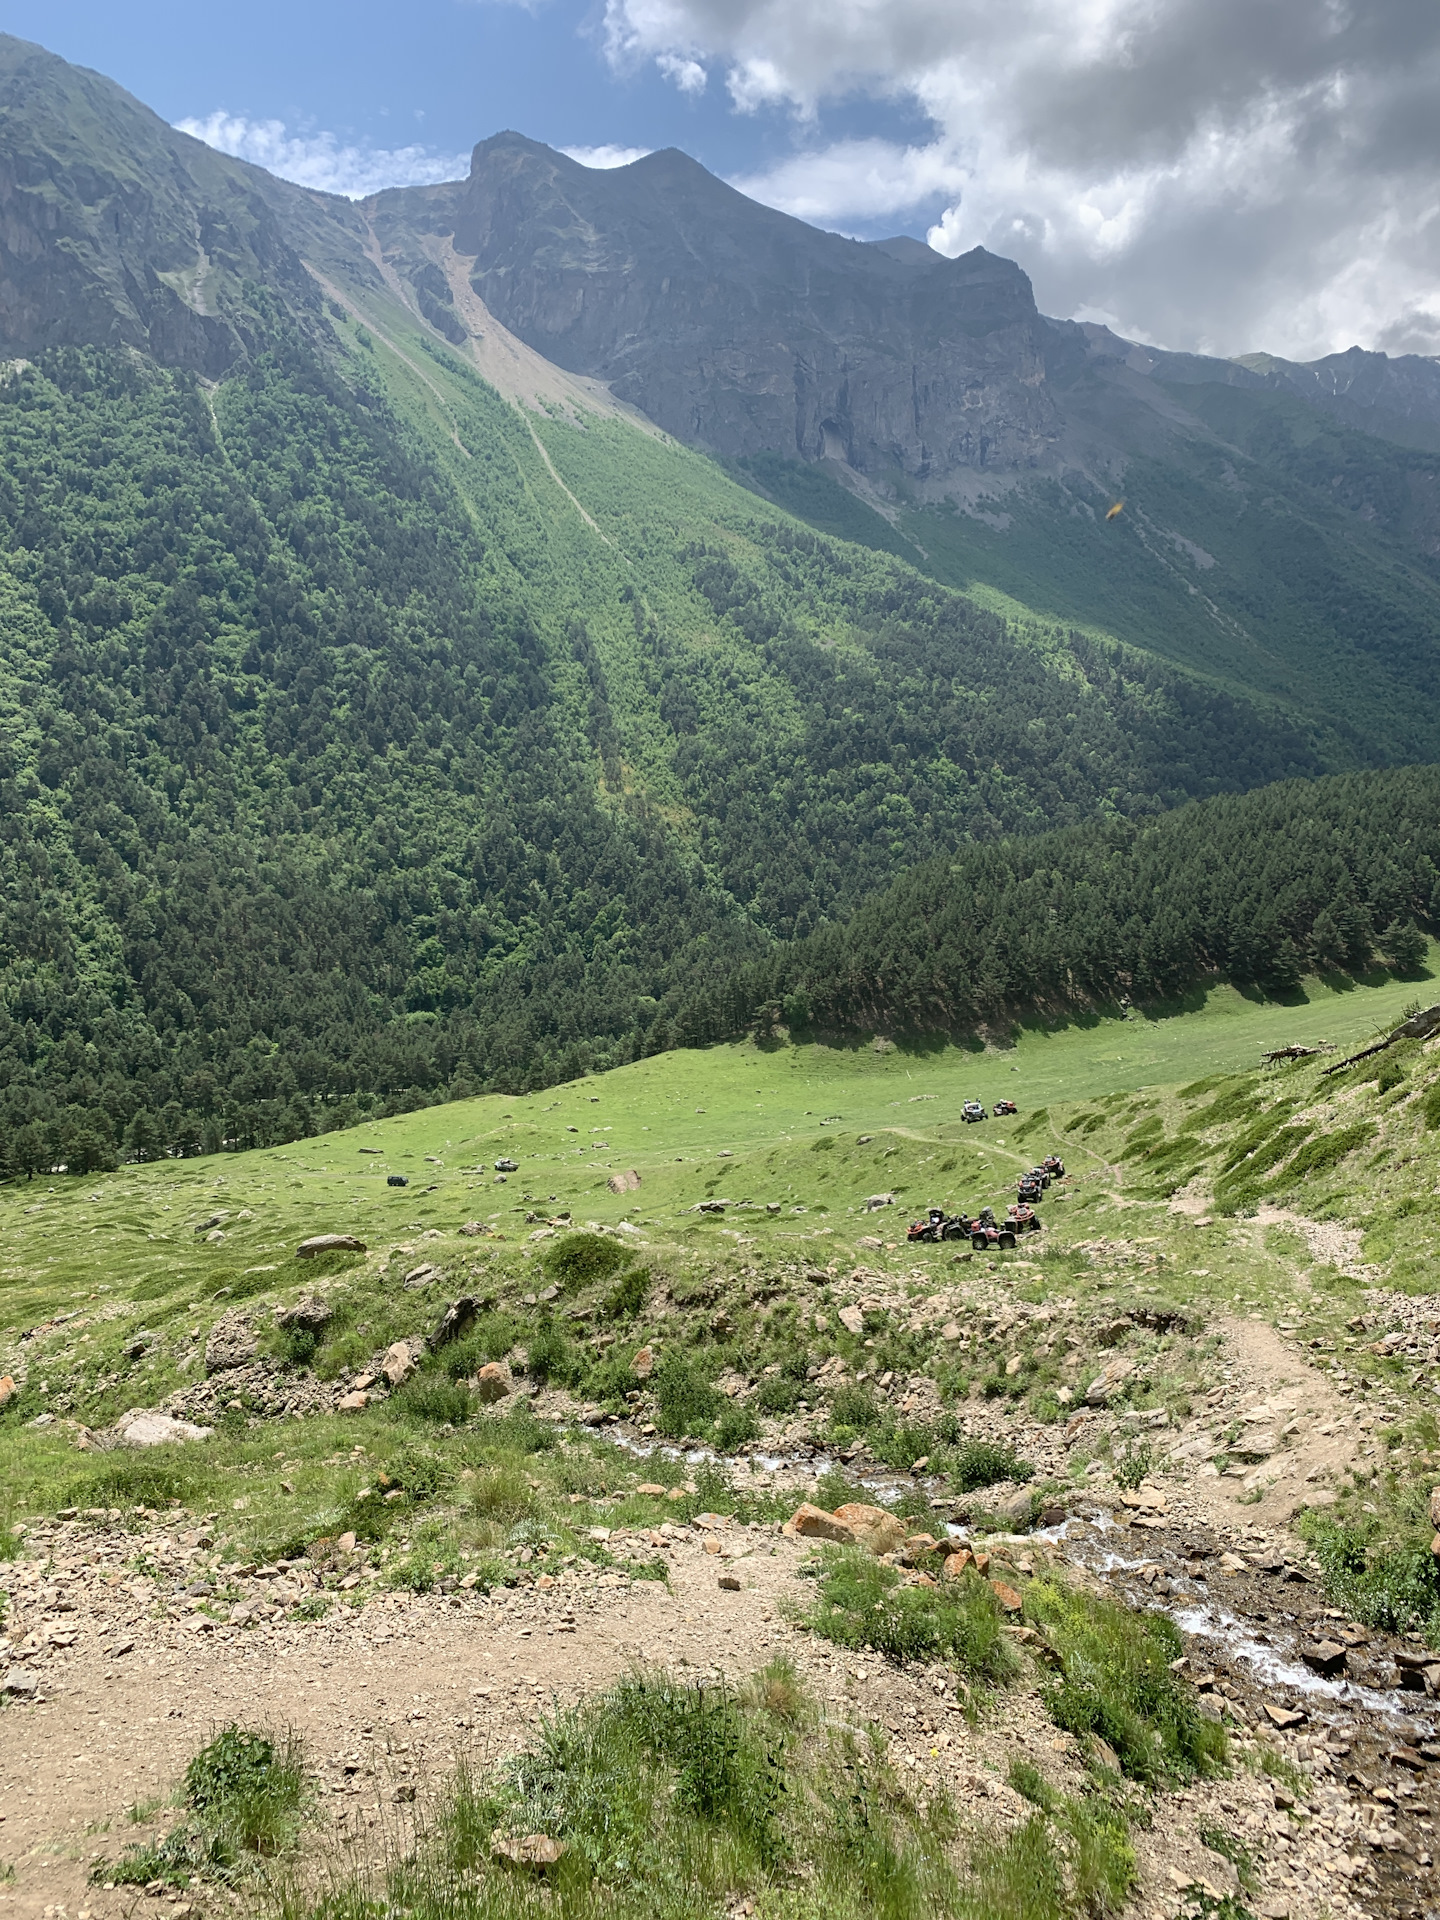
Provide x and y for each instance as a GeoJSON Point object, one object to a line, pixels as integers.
{"type": "Point", "coordinates": [386, 1694]}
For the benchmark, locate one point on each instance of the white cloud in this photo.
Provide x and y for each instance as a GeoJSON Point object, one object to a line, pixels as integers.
{"type": "Point", "coordinates": [322, 160]}
{"type": "Point", "coordinates": [688, 75]}
{"type": "Point", "coordinates": [1216, 174]}
{"type": "Point", "coordinates": [606, 157]}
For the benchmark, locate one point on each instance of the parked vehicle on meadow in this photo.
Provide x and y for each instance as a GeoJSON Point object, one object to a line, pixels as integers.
{"type": "Point", "coordinates": [1029, 1191]}
{"type": "Point", "coordinates": [1023, 1218]}
{"type": "Point", "coordinates": [972, 1111]}
{"type": "Point", "coordinates": [1054, 1166]}
{"type": "Point", "coordinates": [985, 1239]}
{"type": "Point", "coordinates": [1002, 1107]}
{"type": "Point", "coordinates": [938, 1225]}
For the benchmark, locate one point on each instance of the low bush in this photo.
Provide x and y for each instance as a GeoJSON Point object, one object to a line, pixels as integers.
{"type": "Point", "coordinates": [980, 1463]}
{"type": "Point", "coordinates": [431, 1399]}
{"type": "Point", "coordinates": [1115, 1683]}
{"type": "Point", "coordinates": [685, 1402]}
{"type": "Point", "coordinates": [1378, 1567]}
{"type": "Point", "coordinates": [863, 1603]}
{"type": "Point", "coordinates": [672, 1802]}
{"type": "Point", "coordinates": [580, 1259]}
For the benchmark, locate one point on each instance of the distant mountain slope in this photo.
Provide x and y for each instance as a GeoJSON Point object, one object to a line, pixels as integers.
{"type": "Point", "coordinates": [366, 736]}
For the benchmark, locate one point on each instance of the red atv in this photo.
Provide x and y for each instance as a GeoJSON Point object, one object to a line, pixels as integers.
{"type": "Point", "coordinates": [987, 1235]}
{"type": "Point", "coordinates": [1029, 1190]}
{"type": "Point", "coordinates": [1002, 1107]}
{"type": "Point", "coordinates": [1022, 1218]}
{"type": "Point", "coordinates": [1054, 1166]}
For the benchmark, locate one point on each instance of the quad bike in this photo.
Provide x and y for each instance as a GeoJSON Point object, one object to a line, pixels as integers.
{"type": "Point", "coordinates": [936, 1227]}
{"type": "Point", "coordinates": [1003, 1107]}
{"type": "Point", "coordinates": [1054, 1166]}
{"type": "Point", "coordinates": [1029, 1191]}
{"type": "Point", "coordinates": [985, 1238]}
{"type": "Point", "coordinates": [1039, 1173]}
{"type": "Point", "coordinates": [1022, 1218]}
{"type": "Point", "coordinates": [971, 1111]}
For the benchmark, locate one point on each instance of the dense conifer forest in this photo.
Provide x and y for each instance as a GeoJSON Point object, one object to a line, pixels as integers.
{"type": "Point", "coordinates": [1336, 875]}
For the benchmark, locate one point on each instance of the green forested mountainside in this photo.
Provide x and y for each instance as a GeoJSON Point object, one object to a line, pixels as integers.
{"type": "Point", "coordinates": [1257, 889]}
{"type": "Point", "coordinates": [349, 759]}
{"type": "Point", "coordinates": [1288, 556]}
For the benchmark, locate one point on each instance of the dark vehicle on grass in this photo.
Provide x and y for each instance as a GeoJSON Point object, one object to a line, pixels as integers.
{"type": "Point", "coordinates": [937, 1226]}
{"type": "Point", "coordinates": [972, 1111]}
{"type": "Point", "coordinates": [1002, 1107]}
{"type": "Point", "coordinates": [1054, 1166]}
{"type": "Point", "coordinates": [1022, 1218]}
{"type": "Point", "coordinates": [1029, 1191]}
{"type": "Point", "coordinates": [986, 1236]}
{"type": "Point", "coordinates": [1040, 1174]}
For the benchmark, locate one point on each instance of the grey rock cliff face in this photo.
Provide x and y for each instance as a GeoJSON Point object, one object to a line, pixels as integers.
{"type": "Point", "coordinates": [115, 230]}
{"type": "Point", "coordinates": [739, 329]}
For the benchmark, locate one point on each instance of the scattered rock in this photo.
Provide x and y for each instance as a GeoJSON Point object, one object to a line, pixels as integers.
{"type": "Point", "coordinates": [355, 1401]}
{"type": "Point", "coordinates": [149, 1429]}
{"type": "Point", "coordinates": [878, 1200]}
{"type": "Point", "coordinates": [1283, 1718]}
{"type": "Point", "coordinates": [625, 1182]}
{"type": "Point", "coordinates": [643, 1364]}
{"type": "Point", "coordinates": [813, 1523]}
{"type": "Point", "coordinates": [729, 1583]}
{"type": "Point", "coordinates": [493, 1382]}
{"type": "Point", "coordinates": [310, 1315]}
{"type": "Point", "coordinates": [21, 1685]}
{"type": "Point", "coordinates": [329, 1243]}
{"type": "Point", "coordinates": [956, 1563]}
{"type": "Point", "coordinates": [653, 1490]}
{"type": "Point", "coordinates": [231, 1343]}
{"type": "Point", "coordinates": [8, 1390]}
{"type": "Point", "coordinates": [1435, 1507]}
{"type": "Point", "coordinates": [1326, 1657]}
{"type": "Point", "coordinates": [421, 1276]}
{"type": "Point", "coordinates": [538, 1851]}
{"type": "Point", "coordinates": [1009, 1599]}
{"type": "Point", "coordinates": [506, 1165]}
{"type": "Point", "coordinates": [399, 1362]}
{"type": "Point", "coordinates": [951, 1330]}
{"type": "Point", "coordinates": [472, 1229]}
{"type": "Point", "coordinates": [852, 1319]}
{"type": "Point", "coordinates": [1146, 1499]}
{"type": "Point", "coordinates": [874, 1528]}
{"type": "Point", "coordinates": [1108, 1382]}
{"type": "Point", "coordinates": [456, 1321]}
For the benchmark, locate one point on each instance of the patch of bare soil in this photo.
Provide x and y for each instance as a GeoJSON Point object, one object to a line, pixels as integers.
{"type": "Point", "coordinates": [131, 1681]}
{"type": "Point", "coordinates": [1327, 1240]}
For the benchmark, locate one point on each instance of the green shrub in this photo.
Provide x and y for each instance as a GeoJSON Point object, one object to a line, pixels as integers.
{"type": "Point", "coordinates": [854, 1407]}
{"type": "Point", "coordinates": [627, 1298]}
{"type": "Point", "coordinates": [1115, 1682]}
{"type": "Point", "coordinates": [780, 1393]}
{"type": "Point", "coordinates": [1328, 1149]}
{"type": "Point", "coordinates": [548, 1355]}
{"type": "Point", "coordinates": [980, 1463]}
{"type": "Point", "coordinates": [1379, 1569]}
{"type": "Point", "coordinates": [580, 1259]}
{"type": "Point", "coordinates": [684, 1401]}
{"type": "Point", "coordinates": [736, 1427]}
{"type": "Point", "coordinates": [861, 1602]}
{"type": "Point", "coordinates": [1430, 1107]}
{"type": "Point", "coordinates": [432, 1399]}
{"type": "Point", "coordinates": [249, 1786]}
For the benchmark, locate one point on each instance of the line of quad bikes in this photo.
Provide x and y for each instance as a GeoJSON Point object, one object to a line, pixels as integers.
{"type": "Point", "coordinates": [984, 1231]}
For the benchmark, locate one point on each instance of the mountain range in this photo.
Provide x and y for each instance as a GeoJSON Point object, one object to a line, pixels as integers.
{"type": "Point", "coordinates": [446, 634]}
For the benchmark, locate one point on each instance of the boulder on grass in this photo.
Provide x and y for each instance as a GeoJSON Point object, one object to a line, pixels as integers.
{"type": "Point", "coordinates": [151, 1429]}
{"type": "Point", "coordinates": [813, 1523]}
{"type": "Point", "coordinates": [875, 1529]}
{"type": "Point", "coordinates": [493, 1382]}
{"type": "Point", "coordinates": [329, 1243]}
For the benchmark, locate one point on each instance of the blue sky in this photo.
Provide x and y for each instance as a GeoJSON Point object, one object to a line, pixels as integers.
{"type": "Point", "coordinates": [440, 75]}
{"type": "Point", "coordinates": [1216, 175]}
